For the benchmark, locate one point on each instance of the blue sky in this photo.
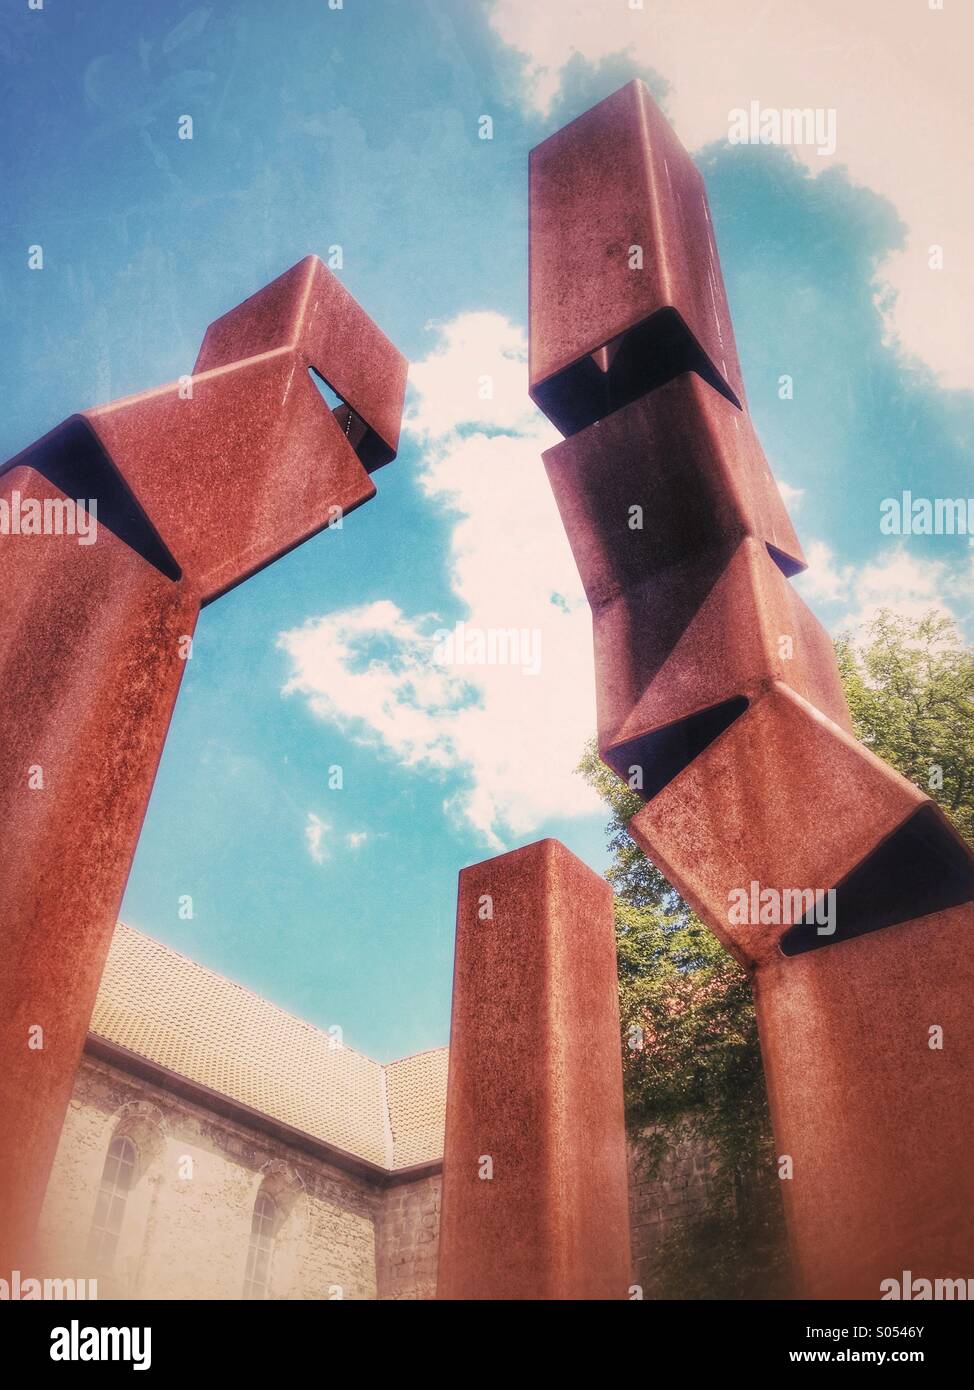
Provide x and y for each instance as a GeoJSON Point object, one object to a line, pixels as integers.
{"type": "Point", "coordinates": [359, 127]}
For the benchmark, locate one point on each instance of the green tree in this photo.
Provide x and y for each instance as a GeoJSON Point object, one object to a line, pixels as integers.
{"type": "Point", "coordinates": [910, 690]}
{"type": "Point", "coordinates": [691, 1058]}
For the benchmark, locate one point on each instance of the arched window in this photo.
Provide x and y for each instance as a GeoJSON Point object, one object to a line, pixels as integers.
{"type": "Point", "coordinates": [116, 1180]}
{"type": "Point", "coordinates": [257, 1277]}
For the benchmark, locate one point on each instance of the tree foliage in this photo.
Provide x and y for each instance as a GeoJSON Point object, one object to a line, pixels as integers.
{"type": "Point", "coordinates": [691, 1058]}
{"type": "Point", "coordinates": [910, 690]}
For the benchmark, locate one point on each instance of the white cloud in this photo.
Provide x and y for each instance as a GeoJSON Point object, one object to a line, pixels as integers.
{"type": "Point", "coordinates": [824, 579]}
{"type": "Point", "coordinates": [908, 585]}
{"type": "Point", "coordinates": [355, 839]}
{"type": "Point", "coordinates": [516, 738]}
{"type": "Point", "coordinates": [475, 377]}
{"type": "Point", "coordinates": [903, 131]}
{"type": "Point", "coordinates": [368, 669]}
{"type": "Point", "coordinates": [791, 496]}
{"type": "Point", "coordinates": [513, 739]}
{"type": "Point", "coordinates": [315, 830]}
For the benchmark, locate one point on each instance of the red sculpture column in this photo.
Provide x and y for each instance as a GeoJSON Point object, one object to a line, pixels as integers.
{"type": "Point", "coordinates": [868, 1053]}
{"type": "Point", "coordinates": [535, 1188]}
{"type": "Point", "coordinates": [196, 486]}
{"type": "Point", "coordinates": [720, 703]}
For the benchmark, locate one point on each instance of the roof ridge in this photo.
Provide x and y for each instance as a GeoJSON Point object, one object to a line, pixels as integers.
{"type": "Point", "coordinates": [423, 1052]}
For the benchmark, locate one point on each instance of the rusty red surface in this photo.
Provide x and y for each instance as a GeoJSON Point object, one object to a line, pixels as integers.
{"type": "Point", "coordinates": [309, 310]}
{"type": "Point", "coordinates": [236, 457]}
{"type": "Point", "coordinates": [876, 1121]}
{"type": "Point", "coordinates": [195, 491]}
{"type": "Point", "coordinates": [786, 798]}
{"type": "Point", "coordinates": [721, 630]}
{"type": "Point", "coordinates": [535, 1087]}
{"type": "Point", "coordinates": [691, 463]}
{"type": "Point", "coordinates": [720, 702]}
{"type": "Point", "coordinates": [604, 329]}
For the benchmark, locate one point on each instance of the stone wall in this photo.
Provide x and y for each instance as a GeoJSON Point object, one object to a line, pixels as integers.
{"type": "Point", "coordinates": [187, 1221]}
{"type": "Point", "coordinates": [408, 1227]}
{"type": "Point", "coordinates": [186, 1230]}
{"type": "Point", "coordinates": [407, 1239]}
{"type": "Point", "coordinates": [659, 1204]}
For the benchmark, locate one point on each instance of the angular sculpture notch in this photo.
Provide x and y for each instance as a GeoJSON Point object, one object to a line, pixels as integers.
{"type": "Point", "coordinates": [719, 700]}
{"type": "Point", "coordinates": [197, 488]}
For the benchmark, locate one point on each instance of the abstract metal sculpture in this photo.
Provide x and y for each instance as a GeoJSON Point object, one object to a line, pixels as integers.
{"type": "Point", "coordinates": [197, 485]}
{"type": "Point", "coordinates": [719, 700]}
{"type": "Point", "coordinates": [535, 1186]}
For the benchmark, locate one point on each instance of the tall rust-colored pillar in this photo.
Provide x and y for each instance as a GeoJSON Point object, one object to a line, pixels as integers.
{"type": "Point", "coordinates": [195, 486]}
{"type": "Point", "coordinates": [535, 1190]}
{"type": "Point", "coordinates": [873, 1103]}
{"type": "Point", "coordinates": [720, 703]}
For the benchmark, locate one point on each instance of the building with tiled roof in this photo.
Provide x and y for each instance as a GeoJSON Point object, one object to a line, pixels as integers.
{"type": "Point", "coordinates": [217, 1146]}
{"type": "Point", "coordinates": [190, 1023]}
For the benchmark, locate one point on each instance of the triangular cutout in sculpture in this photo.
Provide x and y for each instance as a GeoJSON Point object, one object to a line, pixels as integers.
{"type": "Point", "coordinates": [923, 867]}
{"type": "Point", "coordinates": [640, 360]}
{"type": "Point", "coordinates": [604, 357]}
{"type": "Point", "coordinates": [664, 753]}
{"type": "Point", "coordinates": [72, 458]}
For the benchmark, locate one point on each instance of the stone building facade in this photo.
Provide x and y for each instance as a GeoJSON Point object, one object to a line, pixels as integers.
{"type": "Point", "coordinates": [217, 1147]}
